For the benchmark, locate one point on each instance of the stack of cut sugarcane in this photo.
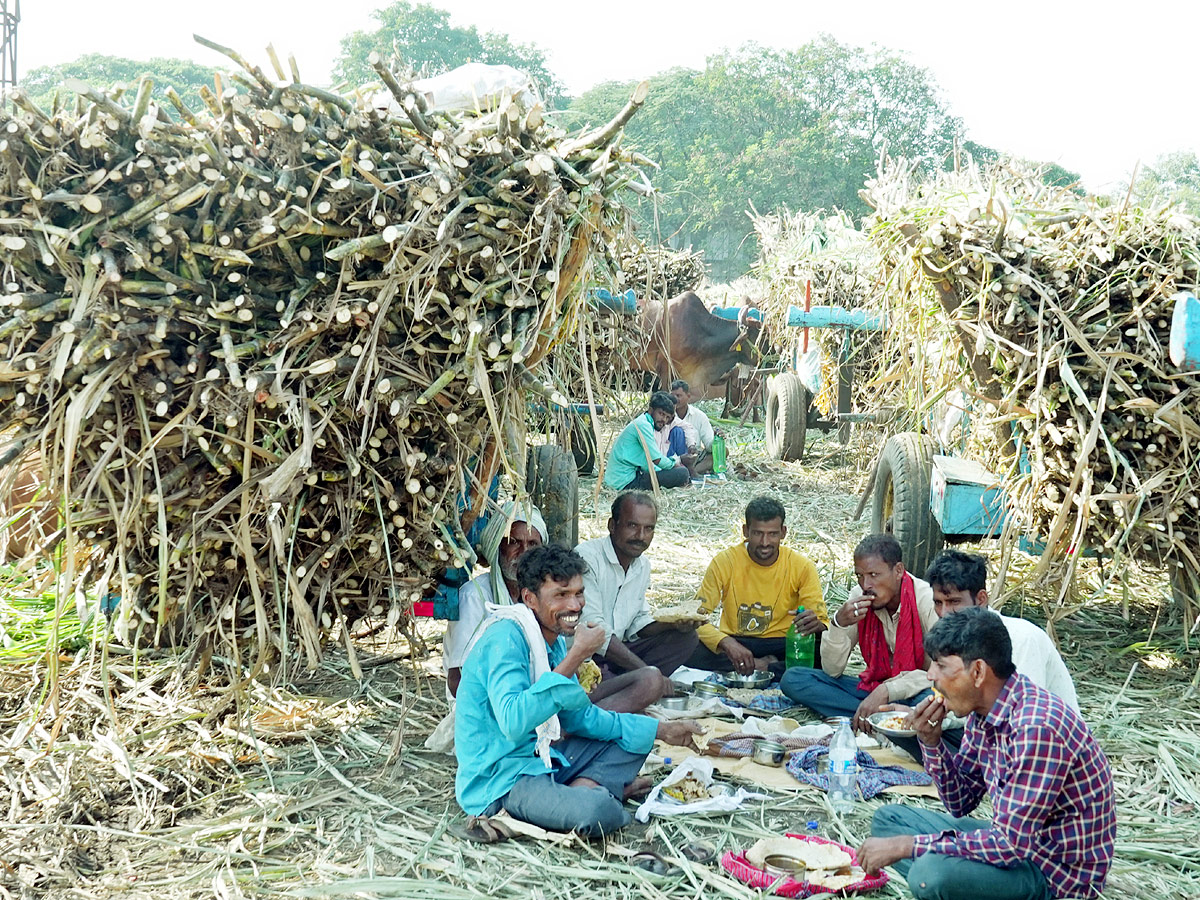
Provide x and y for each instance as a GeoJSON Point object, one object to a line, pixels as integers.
{"type": "Point", "coordinates": [264, 347]}
{"type": "Point", "coordinates": [1062, 311]}
{"type": "Point", "coordinates": [659, 273]}
{"type": "Point", "coordinates": [819, 259]}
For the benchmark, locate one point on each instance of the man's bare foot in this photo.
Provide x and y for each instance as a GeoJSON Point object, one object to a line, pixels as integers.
{"type": "Point", "coordinates": [639, 787]}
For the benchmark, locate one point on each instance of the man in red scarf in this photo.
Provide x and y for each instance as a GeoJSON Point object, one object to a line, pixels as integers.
{"type": "Point", "coordinates": [887, 616]}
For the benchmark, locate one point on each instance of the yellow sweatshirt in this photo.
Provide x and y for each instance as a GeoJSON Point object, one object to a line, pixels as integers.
{"type": "Point", "coordinates": [755, 599]}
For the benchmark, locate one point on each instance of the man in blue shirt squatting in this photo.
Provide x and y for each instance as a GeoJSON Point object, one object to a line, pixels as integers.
{"type": "Point", "coordinates": [527, 738]}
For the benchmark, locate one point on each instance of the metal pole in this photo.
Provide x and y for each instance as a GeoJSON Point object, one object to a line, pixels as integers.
{"type": "Point", "coordinates": [10, 15]}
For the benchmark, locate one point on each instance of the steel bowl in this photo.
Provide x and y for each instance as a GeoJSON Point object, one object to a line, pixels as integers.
{"type": "Point", "coordinates": [677, 702]}
{"type": "Point", "coordinates": [780, 865]}
{"type": "Point", "coordinates": [752, 680]}
{"type": "Point", "coordinates": [707, 689]}
{"type": "Point", "coordinates": [769, 753]}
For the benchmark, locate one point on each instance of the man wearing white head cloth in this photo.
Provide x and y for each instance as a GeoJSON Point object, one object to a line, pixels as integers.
{"type": "Point", "coordinates": [515, 528]}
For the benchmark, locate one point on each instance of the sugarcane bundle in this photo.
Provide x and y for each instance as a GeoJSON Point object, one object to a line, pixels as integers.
{"type": "Point", "coordinates": [823, 260]}
{"type": "Point", "coordinates": [263, 348]}
{"type": "Point", "coordinates": [1061, 307]}
{"type": "Point", "coordinates": [659, 273]}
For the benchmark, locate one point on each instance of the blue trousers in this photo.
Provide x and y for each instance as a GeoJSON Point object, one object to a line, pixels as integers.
{"type": "Point", "coordinates": [935, 876]}
{"type": "Point", "coordinates": [823, 694]}
{"type": "Point", "coordinates": [550, 802]}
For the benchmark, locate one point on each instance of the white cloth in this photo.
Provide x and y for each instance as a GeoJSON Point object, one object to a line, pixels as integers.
{"type": "Point", "coordinates": [701, 770]}
{"type": "Point", "coordinates": [1036, 657]}
{"type": "Point", "coordinates": [473, 598]}
{"type": "Point", "coordinates": [612, 597]}
{"type": "Point", "coordinates": [539, 663]}
{"type": "Point", "coordinates": [699, 423]}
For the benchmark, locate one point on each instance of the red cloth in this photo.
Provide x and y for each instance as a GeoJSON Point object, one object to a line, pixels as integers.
{"type": "Point", "coordinates": [882, 663]}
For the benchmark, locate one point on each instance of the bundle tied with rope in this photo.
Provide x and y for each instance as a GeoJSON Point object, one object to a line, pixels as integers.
{"type": "Point", "coordinates": [263, 348]}
{"type": "Point", "coordinates": [1059, 312]}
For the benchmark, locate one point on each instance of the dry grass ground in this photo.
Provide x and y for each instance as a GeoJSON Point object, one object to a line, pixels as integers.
{"type": "Point", "coordinates": [132, 778]}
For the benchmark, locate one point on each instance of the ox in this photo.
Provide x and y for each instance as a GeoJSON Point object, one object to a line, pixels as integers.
{"type": "Point", "coordinates": [693, 344]}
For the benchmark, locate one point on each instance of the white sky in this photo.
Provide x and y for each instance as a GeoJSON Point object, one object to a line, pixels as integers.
{"type": "Point", "coordinates": [1094, 86]}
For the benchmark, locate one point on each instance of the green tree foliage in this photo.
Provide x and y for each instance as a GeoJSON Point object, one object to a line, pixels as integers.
{"type": "Point", "coordinates": [770, 128]}
{"type": "Point", "coordinates": [1174, 177]}
{"type": "Point", "coordinates": [103, 72]}
{"type": "Point", "coordinates": [421, 36]}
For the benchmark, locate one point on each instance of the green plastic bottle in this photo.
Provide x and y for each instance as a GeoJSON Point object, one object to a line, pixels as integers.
{"type": "Point", "coordinates": [799, 649]}
{"type": "Point", "coordinates": [718, 455]}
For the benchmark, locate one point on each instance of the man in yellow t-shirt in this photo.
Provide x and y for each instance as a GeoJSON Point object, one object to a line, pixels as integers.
{"type": "Point", "coordinates": [759, 586]}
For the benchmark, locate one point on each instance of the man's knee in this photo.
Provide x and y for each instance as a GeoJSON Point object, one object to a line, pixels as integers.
{"type": "Point", "coordinates": [597, 812]}
{"type": "Point", "coordinates": [928, 880]}
{"type": "Point", "coordinates": [890, 820]}
{"type": "Point", "coordinates": [650, 686]}
{"type": "Point", "coordinates": [798, 681]}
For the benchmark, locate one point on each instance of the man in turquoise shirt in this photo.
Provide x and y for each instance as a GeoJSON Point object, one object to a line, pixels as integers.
{"type": "Point", "coordinates": [634, 452]}
{"type": "Point", "coordinates": [527, 738]}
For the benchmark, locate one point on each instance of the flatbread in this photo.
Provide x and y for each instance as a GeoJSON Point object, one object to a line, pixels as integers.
{"type": "Point", "coordinates": [815, 855]}
{"type": "Point", "coordinates": [836, 882]}
{"type": "Point", "coordinates": [679, 614]}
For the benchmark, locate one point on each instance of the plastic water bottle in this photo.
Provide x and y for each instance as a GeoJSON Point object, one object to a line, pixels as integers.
{"type": "Point", "coordinates": [718, 455]}
{"type": "Point", "coordinates": [843, 769]}
{"type": "Point", "coordinates": [799, 649]}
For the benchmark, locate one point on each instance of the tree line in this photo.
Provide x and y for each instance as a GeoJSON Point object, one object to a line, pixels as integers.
{"type": "Point", "coordinates": [756, 127]}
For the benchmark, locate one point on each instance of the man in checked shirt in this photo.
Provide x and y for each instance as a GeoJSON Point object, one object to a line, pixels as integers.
{"type": "Point", "coordinates": [1053, 819]}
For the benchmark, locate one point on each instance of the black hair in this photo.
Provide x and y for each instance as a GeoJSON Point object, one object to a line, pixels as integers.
{"type": "Point", "coordinates": [634, 498]}
{"type": "Point", "coordinates": [548, 562]}
{"type": "Point", "coordinates": [885, 546]}
{"type": "Point", "coordinates": [763, 509]}
{"type": "Point", "coordinates": [680, 384]}
{"type": "Point", "coordinates": [973, 633]}
{"type": "Point", "coordinates": [957, 570]}
{"type": "Point", "coordinates": [662, 400]}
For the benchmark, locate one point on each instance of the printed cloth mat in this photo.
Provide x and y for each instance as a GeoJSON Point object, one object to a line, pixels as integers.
{"type": "Point", "coordinates": [873, 778]}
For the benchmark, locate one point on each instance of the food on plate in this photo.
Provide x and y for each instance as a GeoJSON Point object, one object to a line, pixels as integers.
{"type": "Point", "coordinates": [813, 854]}
{"type": "Point", "coordinates": [745, 695]}
{"type": "Point", "coordinates": [678, 614]}
{"type": "Point", "coordinates": [893, 722]}
{"type": "Point", "coordinates": [688, 789]}
{"type": "Point", "coordinates": [836, 880]}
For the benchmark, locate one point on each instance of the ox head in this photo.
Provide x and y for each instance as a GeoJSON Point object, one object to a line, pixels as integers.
{"type": "Point", "coordinates": [747, 345]}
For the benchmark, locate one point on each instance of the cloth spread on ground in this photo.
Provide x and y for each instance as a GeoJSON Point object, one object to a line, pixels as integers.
{"type": "Point", "coordinates": [873, 779]}
{"type": "Point", "coordinates": [539, 662]}
{"type": "Point", "coordinates": [910, 647]}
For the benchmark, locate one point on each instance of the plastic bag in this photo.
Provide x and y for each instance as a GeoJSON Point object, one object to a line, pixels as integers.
{"type": "Point", "coordinates": [702, 770]}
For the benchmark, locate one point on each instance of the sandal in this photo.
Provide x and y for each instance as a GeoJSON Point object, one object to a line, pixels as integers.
{"type": "Point", "coordinates": [481, 830]}
{"type": "Point", "coordinates": [701, 852]}
{"type": "Point", "coordinates": [653, 863]}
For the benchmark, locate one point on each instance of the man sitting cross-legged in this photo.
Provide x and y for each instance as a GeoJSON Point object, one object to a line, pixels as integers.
{"type": "Point", "coordinates": [887, 615]}
{"type": "Point", "coordinates": [1053, 816]}
{"type": "Point", "coordinates": [959, 581]}
{"type": "Point", "coordinates": [527, 738]}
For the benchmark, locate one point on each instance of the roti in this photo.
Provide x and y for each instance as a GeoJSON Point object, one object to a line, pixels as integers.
{"type": "Point", "coordinates": [679, 614]}
{"type": "Point", "coordinates": [815, 855]}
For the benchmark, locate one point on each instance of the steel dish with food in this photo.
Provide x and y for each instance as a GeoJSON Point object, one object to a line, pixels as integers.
{"type": "Point", "coordinates": [779, 865]}
{"type": "Point", "coordinates": [705, 689]}
{"type": "Point", "coordinates": [769, 753]}
{"type": "Point", "coordinates": [678, 702]}
{"type": "Point", "coordinates": [891, 723]}
{"type": "Point", "coordinates": [748, 680]}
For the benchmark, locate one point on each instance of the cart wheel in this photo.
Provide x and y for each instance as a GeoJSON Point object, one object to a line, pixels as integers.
{"type": "Point", "coordinates": [581, 441]}
{"type": "Point", "coordinates": [787, 417]}
{"type": "Point", "coordinates": [553, 485]}
{"type": "Point", "coordinates": [900, 504]}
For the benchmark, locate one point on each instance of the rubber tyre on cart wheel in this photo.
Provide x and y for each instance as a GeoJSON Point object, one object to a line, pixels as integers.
{"type": "Point", "coordinates": [787, 417]}
{"type": "Point", "coordinates": [553, 485]}
{"type": "Point", "coordinates": [581, 441]}
{"type": "Point", "coordinates": [900, 504]}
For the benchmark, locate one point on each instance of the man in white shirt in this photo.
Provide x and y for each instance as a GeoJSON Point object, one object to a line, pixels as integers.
{"type": "Point", "coordinates": [614, 595]}
{"type": "Point", "coordinates": [697, 427]}
{"type": "Point", "coordinates": [959, 581]}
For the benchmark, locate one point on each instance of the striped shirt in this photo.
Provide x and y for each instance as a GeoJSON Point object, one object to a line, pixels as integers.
{"type": "Point", "coordinates": [1051, 789]}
